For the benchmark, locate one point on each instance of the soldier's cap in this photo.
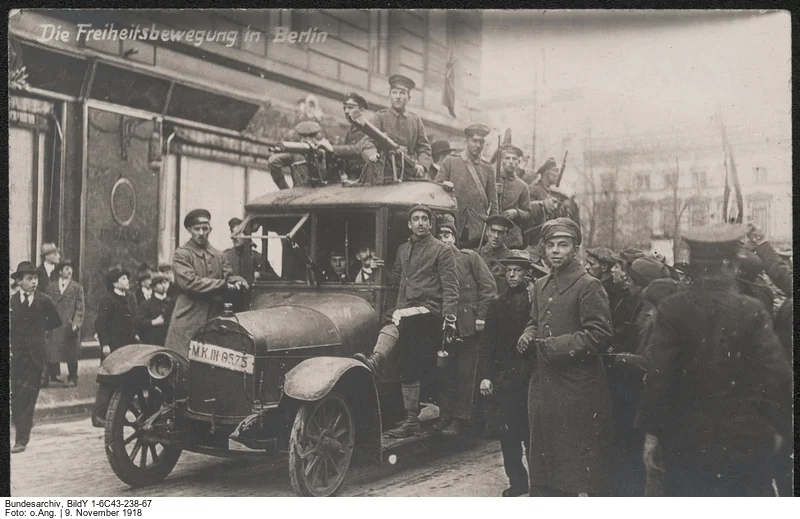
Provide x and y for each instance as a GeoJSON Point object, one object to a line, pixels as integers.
{"type": "Point", "coordinates": [233, 223]}
{"type": "Point", "coordinates": [548, 165]}
{"type": "Point", "coordinates": [420, 207]}
{"type": "Point", "coordinates": [48, 248]}
{"type": "Point", "coordinates": [25, 267]}
{"type": "Point", "coordinates": [398, 80]}
{"type": "Point", "coordinates": [64, 263]}
{"type": "Point", "coordinates": [509, 148]}
{"type": "Point", "coordinates": [114, 273]}
{"type": "Point", "coordinates": [360, 101]}
{"type": "Point", "coordinates": [196, 216]}
{"type": "Point", "coordinates": [749, 263]}
{"type": "Point", "coordinates": [440, 147]}
{"type": "Point", "coordinates": [713, 242]}
{"type": "Point", "coordinates": [603, 254]}
{"type": "Point", "coordinates": [308, 128]}
{"type": "Point", "coordinates": [561, 227]}
{"type": "Point", "coordinates": [660, 289]}
{"type": "Point", "coordinates": [644, 270]}
{"type": "Point", "coordinates": [481, 130]}
{"type": "Point", "coordinates": [445, 221]}
{"type": "Point", "coordinates": [336, 253]}
{"type": "Point", "coordinates": [628, 255]}
{"type": "Point", "coordinates": [499, 219]}
{"type": "Point", "coordinates": [159, 277]}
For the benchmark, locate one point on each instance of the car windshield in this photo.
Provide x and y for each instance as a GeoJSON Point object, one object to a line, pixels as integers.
{"type": "Point", "coordinates": [281, 244]}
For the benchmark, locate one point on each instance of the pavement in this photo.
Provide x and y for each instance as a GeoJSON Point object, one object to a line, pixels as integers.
{"type": "Point", "coordinates": [57, 401]}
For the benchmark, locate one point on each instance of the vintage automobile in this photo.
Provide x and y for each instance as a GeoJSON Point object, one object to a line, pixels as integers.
{"type": "Point", "coordinates": [276, 378]}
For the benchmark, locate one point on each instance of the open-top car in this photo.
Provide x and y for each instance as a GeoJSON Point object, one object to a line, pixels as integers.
{"type": "Point", "coordinates": [277, 378]}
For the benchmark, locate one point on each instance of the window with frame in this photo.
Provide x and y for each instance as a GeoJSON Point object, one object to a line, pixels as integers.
{"type": "Point", "coordinates": [278, 259]}
{"type": "Point", "coordinates": [760, 175]}
{"type": "Point", "coordinates": [670, 180]}
{"type": "Point", "coordinates": [642, 182]}
{"type": "Point", "coordinates": [608, 182]}
{"type": "Point", "coordinates": [699, 179]}
{"type": "Point", "coordinates": [759, 210]}
{"type": "Point", "coordinates": [340, 236]}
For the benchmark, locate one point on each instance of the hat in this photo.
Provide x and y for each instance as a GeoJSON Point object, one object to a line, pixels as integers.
{"type": "Point", "coordinates": [308, 128]}
{"type": "Point", "coordinates": [64, 263]}
{"type": "Point", "coordinates": [233, 223]}
{"type": "Point", "coordinates": [628, 255]}
{"type": "Point", "coordinates": [644, 270]}
{"type": "Point", "coordinates": [114, 273]}
{"type": "Point", "coordinates": [336, 252]}
{"type": "Point", "coordinates": [440, 147]}
{"type": "Point", "coordinates": [144, 274]}
{"type": "Point", "coordinates": [603, 254]}
{"type": "Point", "coordinates": [420, 207]}
{"type": "Point", "coordinates": [360, 101]}
{"type": "Point", "coordinates": [480, 130]}
{"type": "Point", "coordinates": [446, 221]}
{"type": "Point", "coordinates": [561, 227]}
{"type": "Point", "coordinates": [785, 254]}
{"type": "Point", "coordinates": [713, 242]}
{"type": "Point", "coordinates": [47, 248]}
{"type": "Point", "coordinates": [511, 148]}
{"type": "Point", "coordinates": [195, 217]}
{"type": "Point", "coordinates": [517, 257]}
{"type": "Point", "coordinates": [158, 277]}
{"type": "Point", "coordinates": [548, 165]}
{"type": "Point", "coordinates": [499, 219]}
{"type": "Point", "coordinates": [749, 263]}
{"type": "Point", "coordinates": [25, 267]}
{"type": "Point", "coordinates": [661, 289]}
{"type": "Point", "coordinates": [398, 80]}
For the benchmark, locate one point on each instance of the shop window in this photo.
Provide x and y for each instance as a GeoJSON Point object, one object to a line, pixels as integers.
{"type": "Point", "coordinates": [127, 88]}
{"type": "Point", "coordinates": [53, 71]}
{"type": "Point", "coordinates": [344, 233]}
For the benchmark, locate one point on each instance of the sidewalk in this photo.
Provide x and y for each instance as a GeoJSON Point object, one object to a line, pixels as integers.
{"type": "Point", "coordinates": [57, 401]}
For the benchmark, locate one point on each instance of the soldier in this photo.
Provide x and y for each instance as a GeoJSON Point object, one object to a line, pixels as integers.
{"type": "Point", "coordinates": [717, 403]}
{"type": "Point", "coordinates": [354, 107]}
{"type": "Point", "coordinates": [439, 150]}
{"type": "Point", "coordinates": [402, 126]}
{"type": "Point", "coordinates": [569, 406]}
{"type": "Point", "coordinates": [497, 228]}
{"type": "Point", "coordinates": [336, 270]}
{"type": "Point", "coordinates": [306, 131]}
{"type": "Point", "coordinates": [426, 272]}
{"type": "Point", "coordinates": [476, 290]}
{"type": "Point", "coordinates": [512, 196]}
{"type": "Point", "coordinates": [748, 269]}
{"type": "Point", "coordinates": [504, 374]}
{"type": "Point", "coordinates": [543, 203]}
{"type": "Point", "coordinates": [472, 180]}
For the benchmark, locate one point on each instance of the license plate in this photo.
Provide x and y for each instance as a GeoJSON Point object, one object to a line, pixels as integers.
{"type": "Point", "coordinates": [221, 357]}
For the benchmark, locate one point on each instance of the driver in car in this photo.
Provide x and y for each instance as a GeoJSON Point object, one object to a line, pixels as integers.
{"type": "Point", "coordinates": [425, 269]}
{"type": "Point", "coordinates": [337, 267]}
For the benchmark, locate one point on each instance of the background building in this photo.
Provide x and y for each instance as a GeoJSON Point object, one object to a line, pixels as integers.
{"type": "Point", "coordinates": [115, 139]}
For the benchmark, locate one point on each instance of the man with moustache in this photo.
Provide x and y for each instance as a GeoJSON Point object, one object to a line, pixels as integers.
{"type": "Point", "coordinates": [472, 181]}
{"type": "Point", "coordinates": [402, 126]}
{"type": "Point", "coordinates": [569, 405]}
{"type": "Point", "coordinates": [512, 196]}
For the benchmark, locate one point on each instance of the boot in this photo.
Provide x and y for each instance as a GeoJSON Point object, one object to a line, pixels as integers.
{"type": "Point", "coordinates": [455, 428]}
{"type": "Point", "coordinates": [411, 425]}
{"type": "Point", "coordinates": [387, 340]}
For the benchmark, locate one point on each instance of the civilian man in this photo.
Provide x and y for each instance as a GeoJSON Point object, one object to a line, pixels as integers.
{"type": "Point", "coordinates": [497, 227]}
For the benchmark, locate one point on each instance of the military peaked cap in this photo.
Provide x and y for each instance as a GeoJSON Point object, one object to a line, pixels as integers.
{"type": "Point", "coordinates": [398, 80]}
{"type": "Point", "coordinates": [196, 216]}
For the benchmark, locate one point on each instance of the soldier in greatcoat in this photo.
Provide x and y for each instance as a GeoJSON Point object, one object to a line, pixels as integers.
{"type": "Point", "coordinates": [504, 373]}
{"type": "Point", "coordinates": [569, 406]}
{"type": "Point", "coordinates": [717, 402]}
{"type": "Point", "coordinates": [65, 341]}
{"type": "Point", "coordinates": [495, 249]}
{"type": "Point", "coordinates": [476, 290]}
{"type": "Point", "coordinates": [472, 181]}
{"type": "Point", "coordinates": [204, 277]}
{"type": "Point", "coordinates": [513, 199]}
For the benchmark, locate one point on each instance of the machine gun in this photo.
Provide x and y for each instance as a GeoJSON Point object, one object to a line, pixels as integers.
{"type": "Point", "coordinates": [390, 149]}
{"type": "Point", "coordinates": [323, 162]}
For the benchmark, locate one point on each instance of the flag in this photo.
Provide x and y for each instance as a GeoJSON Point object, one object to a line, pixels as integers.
{"type": "Point", "coordinates": [449, 94]}
{"type": "Point", "coordinates": [737, 189]}
{"type": "Point", "coordinates": [726, 194]}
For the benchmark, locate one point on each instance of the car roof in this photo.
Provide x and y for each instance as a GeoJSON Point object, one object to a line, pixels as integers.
{"type": "Point", "coordinates": [405, 194]}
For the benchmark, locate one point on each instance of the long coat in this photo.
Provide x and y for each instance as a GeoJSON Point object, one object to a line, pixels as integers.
{"type": "Point", "coordinates": [44, 279]}
{"type": "Point", "coordinates": [492, 259]}
{"type": "Point", "coordinates": [201, 275]}
{"type": "Point", "coordinates": [64, 344]}
{"type": "Point", "coordinates": [471, 207]}
{"type": "Point", "coordinates": [28, 327]}
{"type": "Point", "coordinates": [569, 405]}
{"type": "Point", "coordinates": [512, 193]}
{"type": "Point", "coordinates": [116, 320]}
{"type": "Point", "coordinates": [406, 129]}
{"type": "Point", "coordinates": [718, 384]}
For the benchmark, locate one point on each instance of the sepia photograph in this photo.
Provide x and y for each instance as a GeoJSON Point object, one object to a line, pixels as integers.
{"type": "Point", "coordinates": [399, 253]}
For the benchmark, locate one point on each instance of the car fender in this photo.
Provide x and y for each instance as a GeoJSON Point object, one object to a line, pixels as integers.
{"type": "Point", "coordinates": [313, 378]}
{"type": "Point", "coordinates": [128, 359]}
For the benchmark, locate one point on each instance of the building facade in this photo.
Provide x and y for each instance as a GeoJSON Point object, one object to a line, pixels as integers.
{"type": "Point", "coordinates": [115, 135]}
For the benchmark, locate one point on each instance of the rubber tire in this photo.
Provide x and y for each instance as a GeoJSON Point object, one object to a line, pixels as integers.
{"type": "Point", "coordinates": [117, 455]}
{"type": "Point", "coordinates": [306, 411]}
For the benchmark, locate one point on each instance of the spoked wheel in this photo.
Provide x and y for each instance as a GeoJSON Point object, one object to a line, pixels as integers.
{"type": "Point", "coordinates": [135, 459]}
{"type": "Point", "coordinates": [321, 446]}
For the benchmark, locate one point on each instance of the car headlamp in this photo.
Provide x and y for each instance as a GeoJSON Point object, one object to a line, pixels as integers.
{"type": "Point", "coordinates": [161, 366]}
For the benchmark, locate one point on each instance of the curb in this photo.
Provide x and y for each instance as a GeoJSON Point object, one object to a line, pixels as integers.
{"type": "Point", "coordinates": [67, 409]}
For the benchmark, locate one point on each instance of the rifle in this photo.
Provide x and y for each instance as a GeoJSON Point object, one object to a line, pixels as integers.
{"type": "Point", "coordinates": [563, 166]}
{"type": "Point", "coordinates": [321, 159]}
{"type": "Point", "coordinates": [385, 144]}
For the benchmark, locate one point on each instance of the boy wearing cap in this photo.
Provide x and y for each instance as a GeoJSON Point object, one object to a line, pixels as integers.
{"type": "Point", "coordinates": [32, 315]}
{"type": "Point", "coordinates": [717, 404]}
{"type": "Point", "coordinates": [476, 290]}
{"type": "Point", "coordinates": [569, 405]}
{"type": "Point", "coordinates": [513, 199]}
{"type": "Point", "coordinates": [472, 181]}
{"type": "Point", "coordinates": [425, 269]}
{"type": "Point", "coordinates": [154, 315]}
{"type": "Point", "coordinates": [402, 126]}
{"type": "Point", "coordinates": [64, 342]}
{"type": "Point", "coordinates": [504, 374]}
{"type": "Point", "coordinates": [497, 227]}
{"type": "Point", "coordinates": [204, 277]}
